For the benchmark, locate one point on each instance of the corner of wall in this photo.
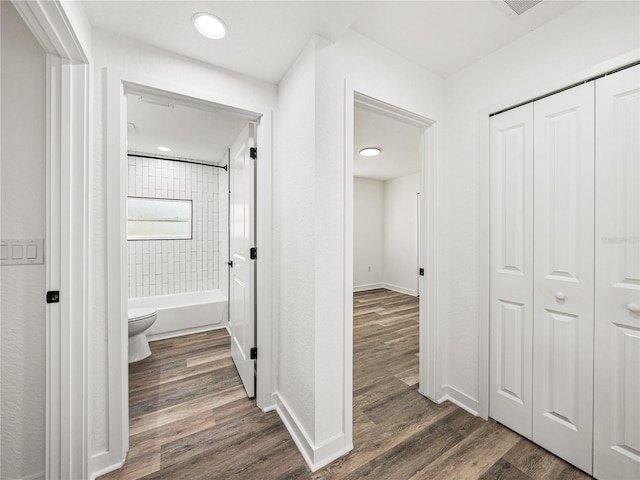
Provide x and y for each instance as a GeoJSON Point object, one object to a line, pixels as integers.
{"type": "Point", "coordinates": [103, 463]}
{"type": "Point", "coordinates": [460, 399]}
{"type": "Point", "coordinates": [315, 455]}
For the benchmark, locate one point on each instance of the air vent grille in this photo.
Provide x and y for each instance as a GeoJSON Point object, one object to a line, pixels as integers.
{"type": "Point", "coordinates": [521, 6]}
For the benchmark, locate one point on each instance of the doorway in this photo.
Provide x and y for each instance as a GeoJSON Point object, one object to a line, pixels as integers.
{"type": "Point", "coordinates": [427, 380]}
{"type": "Point", "coordinates": [238, 121]}
{"type": "Point", "coordinates": [191, 221]}
{"type": "Point", "coordinates": [386, 187]}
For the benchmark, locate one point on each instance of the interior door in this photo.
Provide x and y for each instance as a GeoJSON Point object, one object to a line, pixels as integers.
{"type": "Point", "coordinates": [617, 299]}
{"type": "Point", "coordinates": [563, 274]}
{"type": "Point", "coordinates": [242, 268]}
{"type": "Point", "coordinates": [511, 307]}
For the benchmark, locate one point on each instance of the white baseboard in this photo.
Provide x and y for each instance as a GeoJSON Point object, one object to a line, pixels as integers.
{"type": "Point", "coordinates": [182, 333]}
{"type": "Point", "coordinates": [388, 286]}
{"type": "Point", "coordinates": [396, 288]}
{"type": "Point", "coordinates": [462, 400]}
{"type": "Point", "coordinates": [102, 464]}
{"type": "Point", "coordinates": [316, 456]}
{"type": "Point", "coordinates": [364, 288]}
{"type": "Point", "coordinates": [34, 476]}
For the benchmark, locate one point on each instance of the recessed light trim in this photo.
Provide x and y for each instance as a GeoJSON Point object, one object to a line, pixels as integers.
{"type": "Point", "coordinates": [209, 25]}
{"type": "Point", "coordinates": [163, 148]}
{"type": "Point", "coordinates": [370, 151]}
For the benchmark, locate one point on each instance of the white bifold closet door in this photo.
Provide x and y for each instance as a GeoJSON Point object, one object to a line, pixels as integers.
{"type": "Point", "coordinates": [563, 274]}
{"type": "Point", "coordinates": [510, 392]}
{"type": "Point", "coordinates": [617, 283]}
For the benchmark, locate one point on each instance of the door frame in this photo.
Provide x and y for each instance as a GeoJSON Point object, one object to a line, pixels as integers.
{"type": "Point", "coordinates": [67, 249]}
{"type": "Point", "coordinates": [117, 85]}
{"type": "Point", "coordinates": [484, 270]}
{"type": "Point", "coordinates": [431, 245]}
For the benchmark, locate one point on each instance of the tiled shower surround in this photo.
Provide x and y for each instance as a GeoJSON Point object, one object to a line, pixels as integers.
{"type": "Point", "coordinates": [161, 267]}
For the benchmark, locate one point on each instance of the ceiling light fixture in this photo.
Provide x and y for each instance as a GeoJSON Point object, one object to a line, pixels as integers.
{"type": "Point", "coordinates": [163, 149]}
{"type": "Point", "coordinates": [370, 151]}
{"type": "Point", "coordinates": [209, 25]}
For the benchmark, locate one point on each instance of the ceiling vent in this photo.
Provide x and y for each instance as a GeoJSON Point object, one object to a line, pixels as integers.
{"type": "Point", "coordinates": [521, 6]}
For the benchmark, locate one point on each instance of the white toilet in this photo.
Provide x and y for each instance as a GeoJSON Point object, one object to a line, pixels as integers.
{"type": "Point", "coordinates": [140, 319]}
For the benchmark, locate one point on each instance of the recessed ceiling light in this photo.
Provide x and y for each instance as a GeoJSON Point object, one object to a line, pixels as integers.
{"type": "Point", "coordinates": [209, 25]}
{"type": "Point", "coordinates": [370, 151]}
{"type": "Point", "coordinates": [163, 149]}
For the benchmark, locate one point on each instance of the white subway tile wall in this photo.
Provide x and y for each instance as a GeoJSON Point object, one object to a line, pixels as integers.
{"type": "Point", "coordinates": [161, 267]}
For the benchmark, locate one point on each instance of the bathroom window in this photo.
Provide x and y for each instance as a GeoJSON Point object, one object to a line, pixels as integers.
{"type": "Point", "coordinates": [158, 219]}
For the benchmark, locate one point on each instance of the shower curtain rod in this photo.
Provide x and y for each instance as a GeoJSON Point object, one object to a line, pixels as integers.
{"type": "Point", "coordinates": [173, 159]}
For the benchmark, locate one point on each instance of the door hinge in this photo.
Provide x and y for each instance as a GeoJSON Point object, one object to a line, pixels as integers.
{"type": "Point", "coordinates": [253, 353]}
{"type": "Point", "coordinates": [253, 153]}
{"type": "Point", "coordinates": [421, 272]}
{"type": "Point", "coordinates": [53, 296]}
{"type": "Point", "coordinates": [253, 253]}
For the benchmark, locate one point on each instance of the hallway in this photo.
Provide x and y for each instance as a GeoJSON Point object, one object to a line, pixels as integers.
{"type": "Point", "coordinates": [190, 417]}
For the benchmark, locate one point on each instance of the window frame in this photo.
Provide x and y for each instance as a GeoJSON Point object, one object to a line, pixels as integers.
{"type": "Point", "coordinates": [136, 238]}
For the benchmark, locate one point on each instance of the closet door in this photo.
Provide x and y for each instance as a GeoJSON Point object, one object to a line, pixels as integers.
{"type": "Point", "coordinates": [617, 300]}
{"type": "Point", "coordinates": [563, 274]}
{"type": "Point", "coordinates": [511, 269]}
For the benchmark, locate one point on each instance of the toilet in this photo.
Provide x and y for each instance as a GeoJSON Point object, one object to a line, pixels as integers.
{"type": "Point", "coordinates": [140, 319]}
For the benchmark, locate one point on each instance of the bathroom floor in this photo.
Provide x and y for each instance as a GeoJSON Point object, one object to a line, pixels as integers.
{"type": "Point", "coordinates": [190, 418]}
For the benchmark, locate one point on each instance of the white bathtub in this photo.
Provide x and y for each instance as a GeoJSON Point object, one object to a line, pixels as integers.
{"type": "Point", "coordinates": [184, 313]}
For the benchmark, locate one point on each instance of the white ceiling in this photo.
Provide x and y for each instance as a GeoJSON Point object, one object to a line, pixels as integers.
{"type": "Point", "coordinates": [399, 143]}
{"type": "Point", "coordinates": [189, 132]}
{"type": "Point", "coordinates": [265, 37]}
{"type": "Point", "coordinates": [446, 36]}
{"type": "Point", "coordinates": [263, 40]}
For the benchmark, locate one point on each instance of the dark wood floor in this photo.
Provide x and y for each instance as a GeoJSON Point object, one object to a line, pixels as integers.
{"type": "Point", "coordinates": [190, 418]}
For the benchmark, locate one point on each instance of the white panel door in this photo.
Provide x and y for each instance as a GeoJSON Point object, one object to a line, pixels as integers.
{"type": "Point", "coordinates": [563, 274]}
{"type": "Point", "coordinates": [242, 268]}
{"type": "Point", "coordinates": [617, 297]}
{"type": "Point", "coordinates": [511, 307]}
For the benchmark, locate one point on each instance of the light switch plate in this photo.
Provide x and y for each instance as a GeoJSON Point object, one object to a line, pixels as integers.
{"type": "Point", "coordinates": [22, 252]}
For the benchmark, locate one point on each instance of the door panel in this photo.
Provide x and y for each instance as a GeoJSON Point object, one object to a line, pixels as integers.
{"type": "Point", "coordinates": [242, 270]}
{"type": "Point", "coordinates": [563, 274]}
{"type": "Point", "coordinates": [511, 269]}
{"type": "Point", "coordinates": [617, 340]}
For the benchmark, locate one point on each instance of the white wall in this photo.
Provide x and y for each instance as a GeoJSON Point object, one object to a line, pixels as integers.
{"type": "Point", "coordinates": [368, 233]}
{"type": "Point", "coordinates": [315, 375]}
{"type": "Point", "coordinates": [385, 234]}
{"type": "Point", "coordinates": [162, 267]}
{"type": "Point", "coordinates": [378, 73]}
{"type": "Point", "coordinates": [401, 233]}
{"type": "Point", "coordinates": [550, 57]}
{"type": "Point", "coordinates": [295, 260]}
{"type": "Point", "coordinates": [144, 64]}
{"type": "Point", "coordinates": [22, 217]}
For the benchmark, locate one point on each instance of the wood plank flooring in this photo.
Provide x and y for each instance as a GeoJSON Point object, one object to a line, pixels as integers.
{"type": "Point", "coordinates": [190, 418]}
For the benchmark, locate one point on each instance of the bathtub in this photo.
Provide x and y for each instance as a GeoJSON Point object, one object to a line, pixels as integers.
{"type": "Point", "coordinates": [184, 313]}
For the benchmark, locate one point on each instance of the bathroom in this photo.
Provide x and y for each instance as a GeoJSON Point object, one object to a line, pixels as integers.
{"type": "Point", "coordinates": [177, 219]}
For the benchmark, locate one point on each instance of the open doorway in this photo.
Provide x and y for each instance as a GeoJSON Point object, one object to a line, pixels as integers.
{"type": "Point", "coordinates": [386, 188]}
{"type": "Point", "coordinates": [395, 359]}
{"type": "Point", "coordinates": [187, 173]}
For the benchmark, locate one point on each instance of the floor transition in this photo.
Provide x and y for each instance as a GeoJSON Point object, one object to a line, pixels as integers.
{"type": "Point", "coordinates": [190, 418]}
